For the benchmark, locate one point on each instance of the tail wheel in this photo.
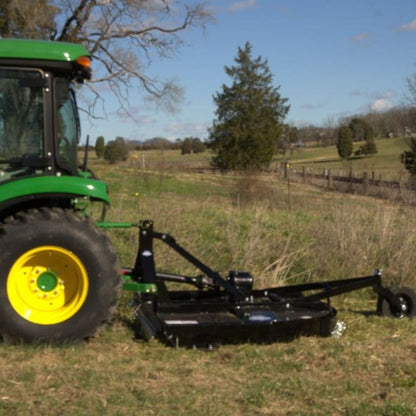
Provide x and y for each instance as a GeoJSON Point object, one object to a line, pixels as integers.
{"type": "Point", "coordinates": [59, 277]}
{"type": "Point", "coordinates": [407, 298]}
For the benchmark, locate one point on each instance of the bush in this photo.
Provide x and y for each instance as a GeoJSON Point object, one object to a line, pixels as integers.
{"type": "Point", "coordinates": [116, 151]}
{"type": "Point", "coordinates": [192, 145]}
{"type": "Point", "coordinates": [369, 148]}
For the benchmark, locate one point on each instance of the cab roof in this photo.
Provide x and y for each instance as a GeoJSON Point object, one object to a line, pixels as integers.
{"type": "Point", "coordinates": [69, 59]}
{"type": "Point", "coordinates": [41, 50]}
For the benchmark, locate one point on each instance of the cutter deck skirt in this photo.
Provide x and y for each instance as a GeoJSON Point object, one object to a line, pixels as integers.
{"type": "Point", "coordinates": [212, 322]}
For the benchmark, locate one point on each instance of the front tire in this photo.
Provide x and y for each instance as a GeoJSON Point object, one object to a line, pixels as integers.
{"type": "Point", "coordinates": [59, 277]}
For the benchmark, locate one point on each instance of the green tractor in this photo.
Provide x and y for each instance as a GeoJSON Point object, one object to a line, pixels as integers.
{"type": "Point", "coordinates": [60, 279]}
{"type": "Point", "coordinates": [59, 275]}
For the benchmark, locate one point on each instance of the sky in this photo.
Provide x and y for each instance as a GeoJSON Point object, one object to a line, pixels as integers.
{"type": "Point", "coordinates": [331, 59]}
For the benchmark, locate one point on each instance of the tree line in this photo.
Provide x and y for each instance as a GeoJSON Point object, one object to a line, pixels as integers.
{"type": "Point", "coordinates": [118, 150]}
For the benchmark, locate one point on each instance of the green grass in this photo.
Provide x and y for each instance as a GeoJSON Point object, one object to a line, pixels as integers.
{"type": "Point", "coordinates": [371, 370]}
{"type": "Point", "coordinates": [242, 223]}
{"type": "Point", "coordinates": [385, 163]}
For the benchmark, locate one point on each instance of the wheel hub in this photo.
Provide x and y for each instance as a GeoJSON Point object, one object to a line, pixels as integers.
{"type": "Point", "coordinates": [45, 284]}
{"type": "Point", "coordinates": [47, 281]}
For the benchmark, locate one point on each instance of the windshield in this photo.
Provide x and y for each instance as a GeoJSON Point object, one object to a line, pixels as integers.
{"type": "Point", "coordinates": [21, 121]}
{"type": "Point", "coordinates": [68, 130]}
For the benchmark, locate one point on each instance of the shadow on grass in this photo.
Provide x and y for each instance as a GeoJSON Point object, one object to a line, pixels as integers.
{"type": "Point", "coordinates": [365, 313]}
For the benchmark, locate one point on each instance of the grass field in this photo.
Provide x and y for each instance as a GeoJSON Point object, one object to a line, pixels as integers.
{"type": "Point", "coordinates": [385, 163]}
{"type": "Point", "coordinates": [244, 223]}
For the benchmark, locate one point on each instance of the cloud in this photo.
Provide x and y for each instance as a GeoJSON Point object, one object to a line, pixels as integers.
{"type": "Point", "coordinates": [187, 130]}
{"type": "Point", "coordinates": [382, 101]}
{"type": "Point", "coordinates": [377, 101]}
{"type": "Point", "coordinates": [388, 94]}
{"type": "Point", "coordinates": [310, 106]}
{"type": "Point", "coordinates": [409, 27]}
{"type": "Point", "coordinates": [145, 120]}
{"type": "Point", "coordinates": [242, 5]}
{"type": "Point", "coordinates": [381, 104]}
{"type": "Point", "coordinates": [361, 37]}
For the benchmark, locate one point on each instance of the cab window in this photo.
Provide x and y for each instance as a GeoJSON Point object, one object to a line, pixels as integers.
{"type": "Point", "coordinates": [21, 120]}
{"type": "Point", "coordinates": [67, 126]}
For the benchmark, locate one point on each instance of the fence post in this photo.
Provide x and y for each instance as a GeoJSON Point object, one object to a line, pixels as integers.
{"type": "Point", "coordinates": [304, 174]}
{"type": "Point", "coordinates": [350, 187]}
{"type": "Point", "coordinates": [289, 195]}
{"type": "Point", "coordinates": [330, 181]}
{"type": "Point", "coordinates": [365, 183]}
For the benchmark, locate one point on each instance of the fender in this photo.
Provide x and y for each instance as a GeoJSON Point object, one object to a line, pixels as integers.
{"type": "Point", "coordinates": [54, 186]}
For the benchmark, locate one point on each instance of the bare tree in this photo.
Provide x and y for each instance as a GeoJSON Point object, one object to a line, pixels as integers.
{"type": "Point", "coordinates": [410, 95]}
{"type": "Point", "coordinates": [123, 36]}
{"type": "Point", "coordinates": [27, 19]}
{"type": "Point", "coordinates": [329, 133]}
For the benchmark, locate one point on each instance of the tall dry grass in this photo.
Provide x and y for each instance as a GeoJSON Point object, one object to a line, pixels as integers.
{"type": "Point", "coordinates": [255, 223]}
{"type": "Point", "coordinates": [318, 235]}
{"type": "Point", "coordinates": [358, 236]}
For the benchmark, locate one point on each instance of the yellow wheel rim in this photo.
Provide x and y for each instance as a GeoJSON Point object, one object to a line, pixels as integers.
{"type": "Point", "coordinates": [47, 285]}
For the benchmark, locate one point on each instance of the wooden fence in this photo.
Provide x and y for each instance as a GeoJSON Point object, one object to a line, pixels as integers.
{"type": "Point", "coordinates": [367, 183]}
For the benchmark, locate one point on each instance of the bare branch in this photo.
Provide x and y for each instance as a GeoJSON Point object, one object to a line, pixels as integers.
{"type": "Point", "coordinates": [124, 36]}
{"type": "Point", "coordinates": [410, 95]}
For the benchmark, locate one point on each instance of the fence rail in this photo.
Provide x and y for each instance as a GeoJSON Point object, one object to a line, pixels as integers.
{"type": "Point", "coordinates": [361, 183]}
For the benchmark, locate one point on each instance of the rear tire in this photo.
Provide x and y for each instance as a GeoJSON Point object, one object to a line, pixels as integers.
{"type": "Point", "coordinates": [407, 297]}
{"type": "Point", "coordinates": [59, 277]}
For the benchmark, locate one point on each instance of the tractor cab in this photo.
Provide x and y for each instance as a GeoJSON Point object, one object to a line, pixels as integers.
{"type": "Point", "coordinates": [59, 274]}
{"type": "Point", "coordinates": [39, 124]}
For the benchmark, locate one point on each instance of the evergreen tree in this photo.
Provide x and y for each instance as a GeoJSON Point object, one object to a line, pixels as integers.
{"type": "Point", "coordinates": [99, 147]}
{"type": "Point", "coordinates": [344, 143]}
{"type": "Point", "coordinates": [408, 157]}
{"type": "Point", "coordinates": [249, 115]}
